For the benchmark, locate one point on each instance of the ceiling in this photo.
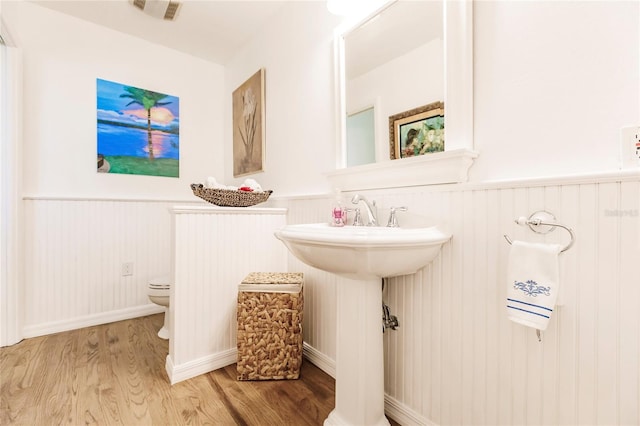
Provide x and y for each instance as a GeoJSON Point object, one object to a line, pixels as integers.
{"type": "Point", "coordinates": [209, 29]}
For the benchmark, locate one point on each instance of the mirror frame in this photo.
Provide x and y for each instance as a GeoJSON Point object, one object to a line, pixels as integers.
{"type": "Point", "coordinates": [450, 166]}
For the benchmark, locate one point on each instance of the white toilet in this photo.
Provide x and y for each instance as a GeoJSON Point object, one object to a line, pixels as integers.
{"type": "Point", "coordinates": [158, 293]}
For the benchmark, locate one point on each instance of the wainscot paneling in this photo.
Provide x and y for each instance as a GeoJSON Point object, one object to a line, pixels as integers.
{"type": "Point", "coordinates": [73, 255]}
{"type": "Point", "coordinates": [214, 249]}
{"type": "Point", "coordinates": [319, 323]}
{"type": "Point", "coordinates": [456, 359]}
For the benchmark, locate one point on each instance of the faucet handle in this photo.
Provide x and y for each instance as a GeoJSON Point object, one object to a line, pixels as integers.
{"type": "Point", "coordinates": [393, 220]}
{"type": "Point", "coordinates": [357, 219]}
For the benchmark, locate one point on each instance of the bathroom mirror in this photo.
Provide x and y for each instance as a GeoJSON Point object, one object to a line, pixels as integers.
{"type": "Point", "coordinates": [404, 55]}
{"type": "Point", "coordinates": [397, 58]}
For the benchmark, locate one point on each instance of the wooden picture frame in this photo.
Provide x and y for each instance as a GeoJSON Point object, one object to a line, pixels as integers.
{"type": "Point", "coordinates": [418, 131]}
{"type": "Point", "coordinates": [249, 126]}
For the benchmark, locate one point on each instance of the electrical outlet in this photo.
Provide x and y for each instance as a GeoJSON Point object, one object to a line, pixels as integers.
{"type": "Point", "coordinates": [127, 269]}
{"type": "Point", "coordinates": [630, 147]}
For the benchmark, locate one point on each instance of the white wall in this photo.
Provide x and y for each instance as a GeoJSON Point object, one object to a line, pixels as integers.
{"type": "Point", "coordinates": [553, 83]}
{"type": "Point", "coordinates": [296, 50]}
{"type": "Point", "coordinates": [63, 56]}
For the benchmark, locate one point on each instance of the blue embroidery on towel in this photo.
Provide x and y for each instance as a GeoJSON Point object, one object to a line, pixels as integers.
{"type": "Point", "coordinates": [529, 312]}
{"type": "Point", "coordinates": [531, 288]}
{"type": "Point", "coordinates": [529, 304]}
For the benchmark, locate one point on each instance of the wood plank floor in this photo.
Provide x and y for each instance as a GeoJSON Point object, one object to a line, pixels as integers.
{"type": "Point", "coordinates": [114, 374]}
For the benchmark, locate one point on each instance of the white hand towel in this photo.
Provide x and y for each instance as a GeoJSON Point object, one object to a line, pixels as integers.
{"type": "Point", "coordinates": [251, 183]}
{"type": "Point", "coordinates": [211, 183]}
{"type": "Point", "coordinates": [532, 283]}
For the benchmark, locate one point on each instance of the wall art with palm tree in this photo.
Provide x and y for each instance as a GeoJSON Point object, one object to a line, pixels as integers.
{"type": "Point", "coordinates": [138, 130]}
{"type": "Point", "coordinates": [248, 126]}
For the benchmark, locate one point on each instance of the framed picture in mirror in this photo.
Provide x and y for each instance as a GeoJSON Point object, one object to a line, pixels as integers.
{"type": "Point", "coordinates": [418, 131]}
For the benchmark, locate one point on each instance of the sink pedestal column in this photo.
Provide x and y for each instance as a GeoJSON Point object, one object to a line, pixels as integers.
{"type": "Point", "coordinates": [359, 355]}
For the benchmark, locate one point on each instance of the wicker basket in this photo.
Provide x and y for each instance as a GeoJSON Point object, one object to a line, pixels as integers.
{"type": "Point", "coordinates": [229, 198]}
{"type": "Point", "coordinates": [270, 310]}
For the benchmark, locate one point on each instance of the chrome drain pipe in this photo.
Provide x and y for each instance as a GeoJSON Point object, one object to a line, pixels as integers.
{"type": "Point", "coordinates": [388, 320]}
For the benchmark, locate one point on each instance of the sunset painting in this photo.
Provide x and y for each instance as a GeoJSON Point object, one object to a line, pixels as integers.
{"type": "Point", "coordinates": [138, 131]}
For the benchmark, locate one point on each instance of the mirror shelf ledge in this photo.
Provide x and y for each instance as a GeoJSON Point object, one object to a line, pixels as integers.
{"type": "Point", "coordinates": [437, 168]}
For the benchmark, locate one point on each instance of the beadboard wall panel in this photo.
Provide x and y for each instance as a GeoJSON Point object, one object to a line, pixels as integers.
{"type": "Point", "coordinates": [214, 250]}
{"type": "Point", "coordinates": [456, 358]}
{"type": "Point", "coordinates": [74, 251]}
{"type": "Point", "coordinates": [213, 255]}
{"type": "Point", "coordinates": [319, 322]}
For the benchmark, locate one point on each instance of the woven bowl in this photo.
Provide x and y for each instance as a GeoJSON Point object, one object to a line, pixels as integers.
{"type": "Point", "coordinates": [229, 198]}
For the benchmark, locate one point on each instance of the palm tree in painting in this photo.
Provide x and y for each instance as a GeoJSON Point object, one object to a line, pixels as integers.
{"type": "Point", "coordinates": [147, 100]}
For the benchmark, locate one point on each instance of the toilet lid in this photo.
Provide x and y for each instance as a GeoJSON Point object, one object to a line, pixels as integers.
{"type": "Point", "coordinates": [160, 286]}
{"type": "Point", "coordinates": [161, 283]}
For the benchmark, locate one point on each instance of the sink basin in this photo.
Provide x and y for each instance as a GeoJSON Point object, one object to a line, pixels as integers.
{"type": "Point", "coordinates": [363, 252]}
{"type": "Point", "coordinates": [361, 255]}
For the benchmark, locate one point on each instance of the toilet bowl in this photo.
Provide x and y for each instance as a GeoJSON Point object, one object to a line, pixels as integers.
{"type": "Point", "coordinates": [158, 293]}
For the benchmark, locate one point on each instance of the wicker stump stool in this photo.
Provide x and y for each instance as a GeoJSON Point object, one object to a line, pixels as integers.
{"type": "Point", "coordinates": [270, 308]}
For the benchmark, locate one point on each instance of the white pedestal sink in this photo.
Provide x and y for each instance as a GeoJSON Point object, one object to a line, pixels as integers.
{"type": "Point", "coordinates": [362, 255]}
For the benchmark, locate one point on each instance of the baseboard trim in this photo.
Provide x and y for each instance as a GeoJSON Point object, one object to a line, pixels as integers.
{"type": "Point", "coordinates": [206, 364]}
{"type": "Point", "coordinates": [402, 414]}
{"type": "Point", "coordinates": [320, 360]}
{"type": "Point", "coordinates": [196, 367]}
{"type": "Point", "coordinates": [91, 320]}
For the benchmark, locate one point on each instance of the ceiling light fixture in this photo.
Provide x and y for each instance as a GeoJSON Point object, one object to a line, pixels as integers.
{"type": "Point", "coordinates": [161, 9]}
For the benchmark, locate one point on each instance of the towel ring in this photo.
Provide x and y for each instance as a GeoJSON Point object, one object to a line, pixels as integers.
{"type": "Point", "coordinates": [543, 222]}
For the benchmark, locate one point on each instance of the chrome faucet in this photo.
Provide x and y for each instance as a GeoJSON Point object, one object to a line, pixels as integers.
{"type": "Point", "coordinates": [371, 209]}
{"type": "Point", "coordinates": [393, 219]}
{"type": "Point", "coordinates": [357, 219]}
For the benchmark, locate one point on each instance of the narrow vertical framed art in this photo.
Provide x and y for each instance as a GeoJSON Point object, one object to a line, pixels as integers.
{"type": "Point", "coordinates": [249, 126]}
